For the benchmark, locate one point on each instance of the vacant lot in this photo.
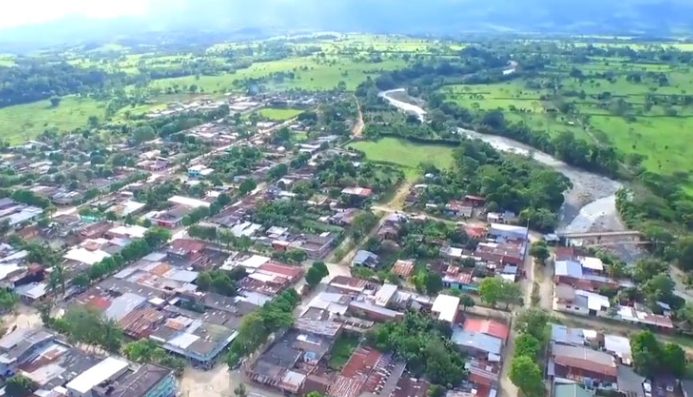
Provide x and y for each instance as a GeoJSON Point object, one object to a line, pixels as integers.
{"type": "Point", "coordinates": [21, 122]}
{"type": "Point", "coordinates": [341, 351]}
{"type": "Point", "coordinates": [408, 155]}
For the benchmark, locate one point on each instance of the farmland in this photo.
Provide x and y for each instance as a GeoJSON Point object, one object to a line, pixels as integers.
{"type": "Point", "coordinates": [599, 101]}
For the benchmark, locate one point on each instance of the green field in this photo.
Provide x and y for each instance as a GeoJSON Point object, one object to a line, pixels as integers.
{"type": "Point", "coordinates": [279, 114]}
{"type": "Point", "coordinates": [21, 122]}
{"type": "Point", "coordinates": [406, 154]}
{"type": "Point", "coordinates": [310, 74]}
{"type": "Point", "coordinates": [660, 131]}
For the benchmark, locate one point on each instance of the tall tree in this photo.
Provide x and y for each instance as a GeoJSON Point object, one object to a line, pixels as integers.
{"type": "Point", "coordinates": [526, 375]}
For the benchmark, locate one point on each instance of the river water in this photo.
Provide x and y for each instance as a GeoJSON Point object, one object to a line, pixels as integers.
{"type": "Point", "coordinates": [590, 205]}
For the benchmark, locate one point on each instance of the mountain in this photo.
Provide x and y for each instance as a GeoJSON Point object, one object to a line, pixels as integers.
{"type": "Point", "coordinates": [649, 17]}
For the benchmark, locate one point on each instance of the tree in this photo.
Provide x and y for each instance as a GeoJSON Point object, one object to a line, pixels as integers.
{"type": "Point", "coordinates": [673, 359]}
{"type": "Point", "coordinates": [362, 224]}
{"type": "Point", "coordinates": [683, 252]}
{"type": "Point", "coordinates": [55, 101]}
{"type": "Point", "coordinates": [646, 353]}
{"type": "Point", "coordinates": [527, 345]}
{"type": "Point", "coordinates": [8, 300]}
{"type": "Point", "coordinates": [247, 186]}
{"type": "Point", "coordinates": [526, 375]}
{"type": "Point", "coordinates": [240, 391]}
{"type": "Point", "coordinates": [511, 293]}
{"type": "Point", "coordinates": [433, 283]}
{"type": "Point", "coordinates": [540, 252]}
{"type": "Point", "coordinates": [19, 386]}
{"type": "Point", "coordinates": [93, 121]}
{"type": "Point", "coordinates": [157, 236]}
{"type": "Point", "coordinates": [491, 290]}
{"type": "Point", "coordinates": [532, 321]}
{"type": "Point", "coordinates": [143, 134]}
{"type": "Point", "coordinates": [81, 281]}
{"type": "Point", "coordinates": [466, 301]}
{"type": "Point", "coordinates": [316, 273]}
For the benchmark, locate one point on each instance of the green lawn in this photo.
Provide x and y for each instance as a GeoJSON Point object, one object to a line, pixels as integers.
{"type": "Point", "coordinates": [406, 154]}
{"type": "Point", "coordinates": [341, 351]}
{"type": "Point", "coordinates": [276, 114]}
{"type": "Point", "coordinates": [21, 122]}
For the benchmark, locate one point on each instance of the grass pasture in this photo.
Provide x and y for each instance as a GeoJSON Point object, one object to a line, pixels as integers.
{"type": "Point", "coordinates": [406, 154]}
{"type": "Point", "coordinates": [22, 122]}
{"type": "Point", "coordinates": [276, 114]}
{"type": "Point", "coordinates": [310, 74]}
{"type": "Point", "coordinates": [659, 131]}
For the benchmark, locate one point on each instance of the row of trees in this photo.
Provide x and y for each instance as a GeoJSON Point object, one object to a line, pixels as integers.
{"type": "Point", "coordinates": [529, 345]}
{"type": "Point", "coordinates": [257, 326]}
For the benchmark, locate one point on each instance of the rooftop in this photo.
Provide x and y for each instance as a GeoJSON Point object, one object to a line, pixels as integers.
{"type": "Point", "coordinates": [97, 374]}
{"type": "Point", "coordinates": [446, 306]}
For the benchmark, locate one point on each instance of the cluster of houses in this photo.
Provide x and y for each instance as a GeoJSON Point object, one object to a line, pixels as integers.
{"type": "Point", "coordinates": [297, 361]}
{"type": "Point", "coordinates": [582, 362]}
{"type": "Point", "coordinates": [59, 369]}
{"type": "Point", "coordinates": [579, 283]}
{"type": "Point", "coordinates": [500, 251]}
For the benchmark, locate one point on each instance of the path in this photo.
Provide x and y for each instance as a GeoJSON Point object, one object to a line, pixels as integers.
{"type": "Point", "coordinates": [393, 205]}
{"type": "Point", "coordinates": [358, 127]}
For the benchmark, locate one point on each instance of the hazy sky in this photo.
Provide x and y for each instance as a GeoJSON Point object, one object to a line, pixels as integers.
{"type": "Point", "coordinates": [22, 12]}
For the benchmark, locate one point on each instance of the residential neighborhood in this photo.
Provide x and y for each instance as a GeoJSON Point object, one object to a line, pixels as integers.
{"type": "Point", "coordinates": [272, 253]}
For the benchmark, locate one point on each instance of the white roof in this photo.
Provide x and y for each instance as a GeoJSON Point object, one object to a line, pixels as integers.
{"type": "Point", "coordinates": [385, 294]}
{"type": "Point", "coordinates": [446, 306]}
{"type": "Point", "coordinates": [99, 373]}
{"type": "Point", "coordinates": [131, 206]}
{"type": "Point", "coordinates": [183, 340]}
{"type": "Point", "coordinates": [594, 301]}
{"type": "Point", "coordinates": [188, 202]}
{"type": "Point", "coordinates": [134, 231]}
{"type": "Point", "coordinates": [32, 290]}
{"type": "Point", "coordinates": [85, 256]}
{"type": "Point", "coordinates": [255, 261]}
{"type": "Point", "coordinates": [618, 345]}
{"type": "Point", "coordinates": [7, 269]}
{"type": "Point", "coordinates": [592, 263]}
{"type": "Point", "coordinates": [261, 277]}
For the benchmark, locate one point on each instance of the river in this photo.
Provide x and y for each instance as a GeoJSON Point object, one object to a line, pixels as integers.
{"type": "Point", "coordinates": [590, 205]}
{"type": "Point", "coordinates": [404, 106]}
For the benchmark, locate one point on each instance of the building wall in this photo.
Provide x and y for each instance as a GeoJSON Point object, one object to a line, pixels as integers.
{"type": "Point", "coordinates": [570, 308]}
{"type": "Point", "coordinates": [165, 388]}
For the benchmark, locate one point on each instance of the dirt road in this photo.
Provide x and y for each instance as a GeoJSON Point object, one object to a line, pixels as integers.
{"type": "Point", "coordinates": [357, 131]}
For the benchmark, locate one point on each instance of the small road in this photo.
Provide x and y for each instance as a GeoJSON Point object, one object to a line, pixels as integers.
{"type": "Point", "coordinates": [357, 131]}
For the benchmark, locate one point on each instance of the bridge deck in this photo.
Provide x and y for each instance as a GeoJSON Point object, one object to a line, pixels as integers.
{"type": "Point", "coordinates": [625, 233]}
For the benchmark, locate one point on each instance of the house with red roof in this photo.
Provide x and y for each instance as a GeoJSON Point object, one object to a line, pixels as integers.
{"type": "Point", "coordinates": [487, 327]}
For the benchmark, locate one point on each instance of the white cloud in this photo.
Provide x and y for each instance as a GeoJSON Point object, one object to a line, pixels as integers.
{"type": "Point", "coordinates": [22, 12]}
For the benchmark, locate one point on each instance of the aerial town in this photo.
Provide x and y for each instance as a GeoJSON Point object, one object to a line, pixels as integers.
{"type": "Point", "coordinates": [276, 256]}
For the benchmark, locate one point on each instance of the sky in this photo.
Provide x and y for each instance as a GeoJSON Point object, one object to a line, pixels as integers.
{"type": "Point", "coordinates": [24, 12]}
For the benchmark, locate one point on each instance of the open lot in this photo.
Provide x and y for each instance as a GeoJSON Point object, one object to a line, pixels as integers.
{"type": "Point", "coordinates": [279, 114]}
{"type": "Point", "coordinates": [21, 122]}
{"type": "Point", "coordinates": [408, 155]}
